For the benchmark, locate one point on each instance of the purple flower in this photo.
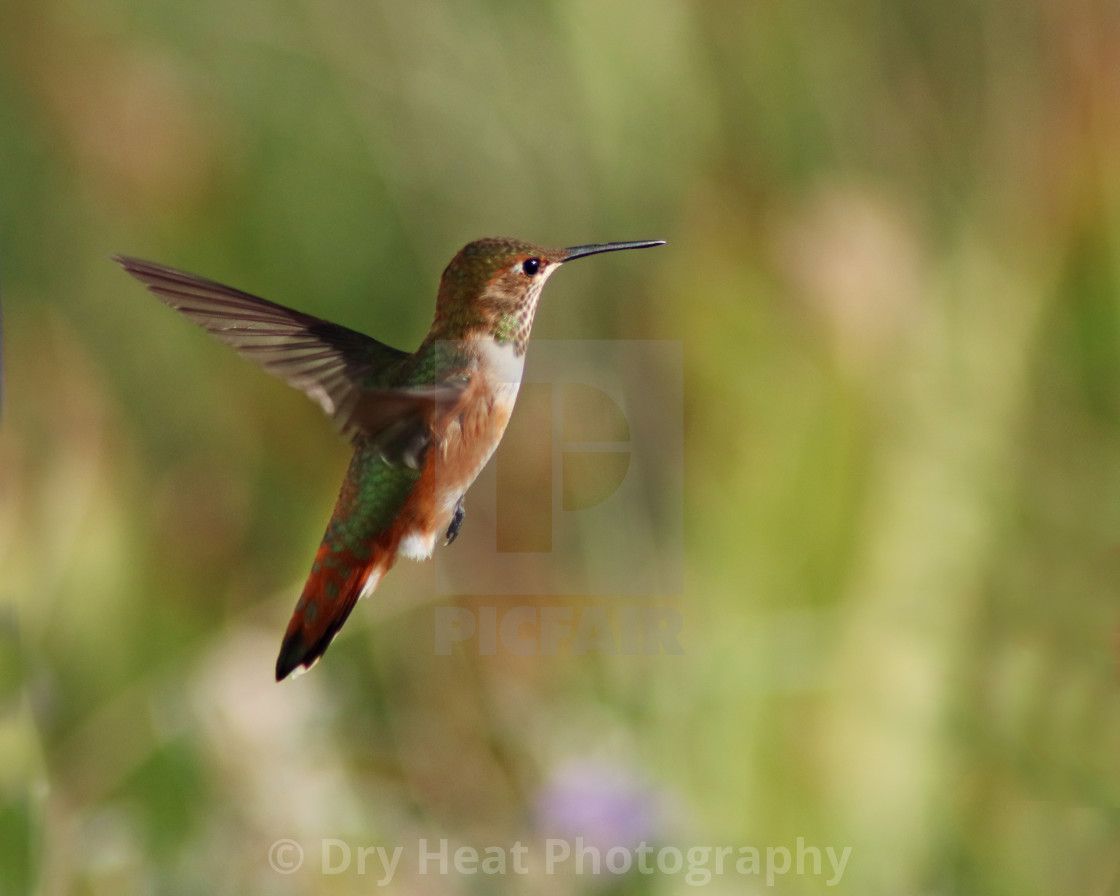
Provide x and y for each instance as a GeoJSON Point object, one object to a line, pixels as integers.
{"type": "Point", "coordinates": [607, 805]}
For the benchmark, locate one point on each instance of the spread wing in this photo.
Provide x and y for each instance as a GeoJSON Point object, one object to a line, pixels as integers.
{"type": "Point", "coordinates": [345, 372]}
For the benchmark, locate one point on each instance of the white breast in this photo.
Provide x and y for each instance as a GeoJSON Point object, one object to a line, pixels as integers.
{"type": "Point", "coordinates": [500, 363]}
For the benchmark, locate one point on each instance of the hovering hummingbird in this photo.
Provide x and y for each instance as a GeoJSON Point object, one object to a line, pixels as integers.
{"type": "Point", "coordinates": [423, 424]}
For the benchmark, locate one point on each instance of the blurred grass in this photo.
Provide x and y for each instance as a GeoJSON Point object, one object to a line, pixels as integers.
{"type": "Point", "coordinates": [894, 260]}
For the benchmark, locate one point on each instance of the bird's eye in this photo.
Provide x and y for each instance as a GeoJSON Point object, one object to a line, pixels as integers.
{"type": "Point", "coordinates": [531, 266]}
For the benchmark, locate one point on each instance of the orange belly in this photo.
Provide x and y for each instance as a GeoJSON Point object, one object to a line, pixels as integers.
{"type": "Point", "coordinates": [463, 443]}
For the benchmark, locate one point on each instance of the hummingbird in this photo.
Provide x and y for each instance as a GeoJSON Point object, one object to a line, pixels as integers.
{"type": "Point", "coordinates": [422, 424]}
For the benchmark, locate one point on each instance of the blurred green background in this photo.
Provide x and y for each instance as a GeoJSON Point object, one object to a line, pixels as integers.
{"type": "Point", "coordinates": [893, 262]}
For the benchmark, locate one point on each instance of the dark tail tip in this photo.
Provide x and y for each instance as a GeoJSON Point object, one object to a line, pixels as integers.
{"type": "Point", "coordinates": [294, 653]}
{"type": "Point", "coordinates": [324, 606]}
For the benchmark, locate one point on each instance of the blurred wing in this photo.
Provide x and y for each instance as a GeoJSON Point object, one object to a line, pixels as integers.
{"type": "Point", "coordinates": [328, 362]}
{"type": "Point", "coordinates": [400, 422]}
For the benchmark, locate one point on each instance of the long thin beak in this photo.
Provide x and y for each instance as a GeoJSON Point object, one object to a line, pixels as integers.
{"type": "Point", "coordinates": [582, 251]}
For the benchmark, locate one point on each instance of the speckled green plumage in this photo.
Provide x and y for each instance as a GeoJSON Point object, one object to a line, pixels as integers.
{"type": "Point", "coordinates": [477, 294]}
{"type": "Point", "coordinates": [372, 495]}
{"type": "Point", "coordinates": [435, 361]}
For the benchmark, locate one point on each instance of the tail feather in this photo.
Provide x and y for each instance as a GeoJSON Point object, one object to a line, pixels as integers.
{"type": "Point", "coordinates": [338, 578]}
